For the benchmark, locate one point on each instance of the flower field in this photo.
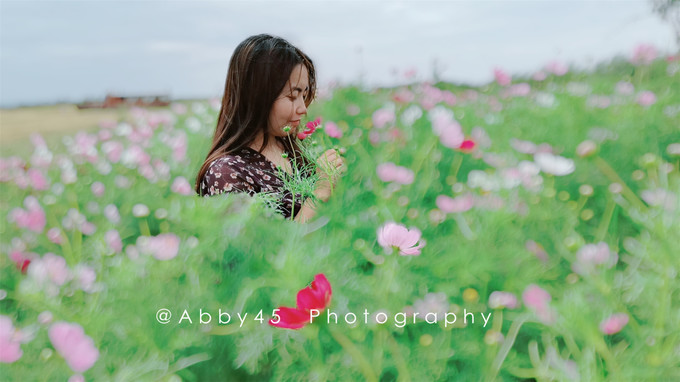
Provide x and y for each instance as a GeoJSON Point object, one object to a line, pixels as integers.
{"type": "Point", "coordinates": [526, 229]}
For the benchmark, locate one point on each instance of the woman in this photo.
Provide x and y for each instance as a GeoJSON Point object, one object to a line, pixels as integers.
{"type": "Point", "coordinates": [270, 83]}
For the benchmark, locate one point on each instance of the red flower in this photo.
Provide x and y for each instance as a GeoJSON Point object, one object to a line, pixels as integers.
{"type": "Point", "coordinates": [317, 297]}
{"type": "Point", "coordinates": [467, 145]}
{"type": "Point", "coordinates": [310, 128]}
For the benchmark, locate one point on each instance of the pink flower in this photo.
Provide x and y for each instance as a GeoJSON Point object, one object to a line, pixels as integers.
{"type": "Point", "coordinates": [37, 179]}
{"type": "Point", "coordinates": [500, 299]}
{"type": "Point", "coordinates": [10, 349]}
{"type": "Point", "coordinates": [317, 297]}
{"type": "Point", "coordinates": [538, 299]}
{"type": "Point", "coordinates": [396, 235]}
{"type": "Point", "coordinates": [113, 150]}
{"type": "Point", "coordinates": [468, 145]}
{"type": "Point", "coordinates": [50, 268]}
{"type": "Point", "coordinates": [310, 128]}
{"type": "Point", "coordinates": [644, 54]}
{"type": "Point", "coordinates": [614, 323]}
{"type": "Point", "coordinates": [455, 205]}
{"type": "Point", "coordinates": [625, 88]}
{"type": "Point", "coordinates": [403, 95]}
{"type": "Point", "coordinates": [557, 68]}
{"type": "Point", "coordinates": [73, 345]}
{"type": "Point", "coordinates": [502, 77]}
{"type": "Point", "coordinates": [390, 172]}
{"type": "Point", "coordinates": [54, 235]}
{"type": "Point", "coordinates": [646, 98]}
{"type": "Point", "coordinates": [22, 260]}
{"type": "Point", "coordinates": [181, 186]}
{"type": "Point", "coordinates": [111, 213]}
{"type": "Point", "coordinates": [382, 117]}
{"type": "Point", "coordinates": [98, 189]}
{"type": "Point", "coordinates": [113, 240]}
{"type": "Point", "coordinates": [163, 247]}
{"type": "Point", "coordinates": [33, 217]}
{"type": "Point", "coordinates": [333, 130]}
{"type": "Point", "coordinates": [539, 76]}
{"type": "Point", "coordinates": [520, 90]}
{"type": "Point", "coordinates": [592, 255]}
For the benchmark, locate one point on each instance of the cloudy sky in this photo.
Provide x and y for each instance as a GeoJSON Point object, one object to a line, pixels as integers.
{"type": "Point", "coordinates": [74, 50]}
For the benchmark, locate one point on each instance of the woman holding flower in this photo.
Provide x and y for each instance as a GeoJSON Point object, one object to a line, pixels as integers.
{"type": "Point", "coordinates": [270, 83]}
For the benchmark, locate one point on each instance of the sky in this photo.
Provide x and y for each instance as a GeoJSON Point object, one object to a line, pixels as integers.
{"type": "Point", "coordinates": [70, 51]}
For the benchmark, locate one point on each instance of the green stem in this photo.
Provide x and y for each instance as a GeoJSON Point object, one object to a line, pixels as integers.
{"type": "Point", "coordinates": [398, 359]}
{"type": "Point", "coordinates": [606, 220]}
{"type": "Point", "coordinates": [611, 174]}
{"type": "Point", "coordinates": [352, 350]}
{"type": "Point", "coordinates": [507, 345]}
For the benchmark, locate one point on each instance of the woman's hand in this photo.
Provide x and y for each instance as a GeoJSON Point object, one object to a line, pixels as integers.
{"type": "Point", "coordinates": [331, 166]}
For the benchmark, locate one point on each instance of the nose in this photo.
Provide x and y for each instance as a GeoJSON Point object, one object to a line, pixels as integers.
{"type": "Point", "coordinates": [301, 108]}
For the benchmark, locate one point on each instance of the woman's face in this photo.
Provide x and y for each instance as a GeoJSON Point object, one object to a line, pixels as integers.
{"type": "Point", "coordinates": [289, 106]}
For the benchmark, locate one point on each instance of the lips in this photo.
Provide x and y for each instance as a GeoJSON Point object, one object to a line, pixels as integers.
{"type": "Point", "coordinates": [295, 123]}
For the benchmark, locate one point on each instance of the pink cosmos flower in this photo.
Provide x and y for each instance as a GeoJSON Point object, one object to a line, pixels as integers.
{"type": "Point", "coordinates": [111, 213]}
{"type": "Point", "coordinates": [520, 90]}
{"type": "Point", "coordinates": [73, 345]}
{"type": "Point", "coordinates": [592, 255]}
{"type": "Point", "coordinates": [10, 349]}
{"type": "Point", "coordinates": [499, 299]}
{"type": "Point", "coordinates": [333, 130]}
{"type": "Point", "coordinates": [403, 95]}
{"type": "Point", "coordinates": [390, 172]}
{"type": "Point", "coordinates": [50, 268]}
{"type": "Point", "coordinates": [625, 88]}
{"type": "Point", "coordinates": [113, 150]}
{"type": "Point", "coordinates": [163, 247]}
{"type": "Point", "coordinates": [181, 186]}
{"type": "Point", "coordinates": [396, 235]}
{"type": "Point", "coordinates": [33, 217]}
{"type": "Point", "coordinates": [54, 235]}
{"type": "Point", "coordinates": [382, 117]}
{"type": "Point", "coordinates": [21, 259]}
{"type": "Point", "coordinates": [557, 68]}
{"type": "Point", "coordinates": [38, 180]}
{"type": "Point", "coordinates": [614, 323]}
{"type": "Point", "coordinates": [644, 54]}
{"type": "Point", "coordinates": [467, 145]}
{"type": "Point", "coordinates": [113, 240]}
{"type": "Point", "coordinates": [310, 128]}
{"type": "Point", "coordinates": [539, 76]}
{"type": "Point", "coordinates": [538, 300]}
{"type": "Point", "coordinates": [502, 77]}
{"type": "Point", "coordinates": [98, 189]}
{"type": "Point", "coordinates": [455, 205]}
{"type": "Point", "coordinates": [646, 98]}
{"type": "Point", "coordinates": [317, 297]}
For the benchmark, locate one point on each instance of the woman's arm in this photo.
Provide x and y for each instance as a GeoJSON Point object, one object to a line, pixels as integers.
{"type": "Point", "coordinates": [308, 209]}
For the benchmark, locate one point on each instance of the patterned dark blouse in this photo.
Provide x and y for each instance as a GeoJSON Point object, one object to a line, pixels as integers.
{"type": "Point", "coordinates": [251, 172]}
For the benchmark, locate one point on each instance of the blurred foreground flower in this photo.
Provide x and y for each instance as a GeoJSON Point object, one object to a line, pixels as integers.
{"type": "Point", "coordinates": [500, 299]}
{"type": "Point", "coordinates": [554, 164]}
{"type": "Point", "coordinates": [33, 217]}
{"type": "Point", "coordinates": [74, 345]}
{"type": "Point", "coordinates": [390, 172]}
{"type": "Point", "coordinates": [10, 350]}
{"type": "Point", "coordinates": [614, 323]}
{"type": "Point", "coordinates": [317, 297]}
{"type": "Point", "coordinates": [396, 235]}
{"type": "Point", "coordinates": [537, 299]}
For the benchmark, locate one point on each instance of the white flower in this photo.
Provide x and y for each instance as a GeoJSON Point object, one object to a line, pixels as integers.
{"type": "Point", "coordinates": [554, 164]}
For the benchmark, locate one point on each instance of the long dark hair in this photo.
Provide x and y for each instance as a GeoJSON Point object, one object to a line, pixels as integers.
{"type": "Point", "coordinates": [259, 69]}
